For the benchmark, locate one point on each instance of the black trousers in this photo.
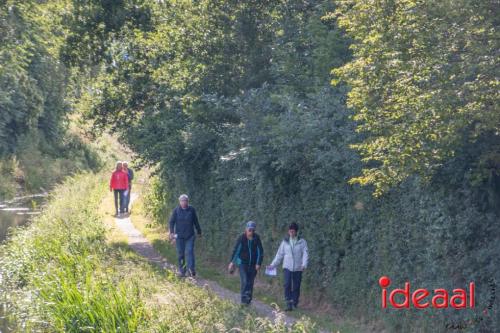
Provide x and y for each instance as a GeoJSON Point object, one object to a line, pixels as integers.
{"type": "Point", "coordinates": [292, 286]}
{"type": "Point", "coordinates": [119, 196]}
{"type": "Point", "coordinates": [247, 278]}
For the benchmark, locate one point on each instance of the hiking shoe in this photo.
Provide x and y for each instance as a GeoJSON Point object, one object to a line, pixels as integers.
{"type": "Point", "coordinates": [181, 275]}
{"type": "Point", "coordinates": [289, 307]}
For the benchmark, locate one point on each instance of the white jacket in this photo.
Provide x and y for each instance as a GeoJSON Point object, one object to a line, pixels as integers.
{"type": "Point", "coordinates": [294, 258]}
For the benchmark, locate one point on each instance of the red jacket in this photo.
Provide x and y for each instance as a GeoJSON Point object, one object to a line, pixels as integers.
{"type": "Point", "coordinates": [119, 180]}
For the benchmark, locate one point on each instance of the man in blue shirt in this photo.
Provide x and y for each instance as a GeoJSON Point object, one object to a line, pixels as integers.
{"type": "Point", "coordinates": [182, 224]}
{"type": "Point", "coordinates": [247, 254]}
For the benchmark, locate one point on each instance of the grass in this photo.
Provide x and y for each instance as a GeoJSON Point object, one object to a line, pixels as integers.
{"type": "Point", "coordinates": [58, 274]}
{"type": "Point", "coordinates": [265, 290]}
{"type": "Point", "coordinates": [70, 270]}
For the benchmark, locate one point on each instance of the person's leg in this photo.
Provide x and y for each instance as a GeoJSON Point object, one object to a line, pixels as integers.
{"type": "Point", "coordinates": [116, 194]}
{"type": "Point", "coordinates": [252, 272]}
{"type": "Point", "coordinates": [243, 283]}
{"type": "Point", "coordinates": [127, 204]}
{"type": "Point", "coordinates": [190, 255]}
{"type": "Point", "coordinates": [181, 247]}
{"type": "Point", "coordinates": [297, 280]}
{"type": "Point", "coordinates": [122, 201]}
{"type": "Point", "coordinates": [288, 288]}
{"type": "Point", "coordinates": [125, 201]}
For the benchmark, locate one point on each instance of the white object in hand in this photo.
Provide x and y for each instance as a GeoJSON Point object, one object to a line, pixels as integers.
{"type": "Point", "coordinates": [271, 271]}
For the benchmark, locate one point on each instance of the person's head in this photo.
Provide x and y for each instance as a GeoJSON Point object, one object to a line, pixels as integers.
{"type": "Point", "coordinates": [183, 200]}
{"type": "Point", "coordinates": [125, 165]}
{"type": "Point", "coordinates": [119, 166]}
{"type": "Point", "coordinates": [293, 228]}
{"type": "Point", "coordinates": [250, 229]}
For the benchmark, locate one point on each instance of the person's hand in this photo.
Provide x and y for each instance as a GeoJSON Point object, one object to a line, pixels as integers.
{"type": "Point", "coordinates": [171, 237]}
{"type": "Point", "coordinates": [270, 267]}
{"type": "Point", "coordinates": [257, 267]}
{"type": "Point", "coordinates": [110, 189]}
{"type": "Point", "coordinates": [302, 268]}
{"type": "Point", "coordinates": [230, 268]}
{"type": "Point", "coordinates": [199, 236]}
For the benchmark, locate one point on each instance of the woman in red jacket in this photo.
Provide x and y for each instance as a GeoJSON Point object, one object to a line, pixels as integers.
{"type": "Point", "coordinates": [119, 184]}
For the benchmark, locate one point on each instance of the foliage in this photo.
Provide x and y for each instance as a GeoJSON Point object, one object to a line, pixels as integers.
{"type": "Point", "coordinates": [231, 102]}
{"type": "Point", "coordinates": [54, 273]}
{"type": "Point", "coordinates": [60, 274]}
{"type": "Point", "coordinates": [33, 100]}
{"type": "Point", "coordinates": [424, 82]}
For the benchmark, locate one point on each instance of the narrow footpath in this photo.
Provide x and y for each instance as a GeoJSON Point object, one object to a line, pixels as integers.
{"type": "Point", "coordinates": [144, 248]}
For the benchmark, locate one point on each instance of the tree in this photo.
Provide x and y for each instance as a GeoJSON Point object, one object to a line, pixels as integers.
{"type": "Point", "coordinates": [424, 81]}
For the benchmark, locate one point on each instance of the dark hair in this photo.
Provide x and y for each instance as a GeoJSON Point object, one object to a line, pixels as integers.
{"type": "Point", "coordinates": [293, 226]}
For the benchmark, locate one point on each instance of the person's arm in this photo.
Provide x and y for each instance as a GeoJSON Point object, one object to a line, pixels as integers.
{"type": "Point", "coordinates": [279, 255]}
{"type": "Point", "coordinates": [305, 256]}
{"type": "Point", "coordinates": [236, 251]}
{"type": "Point", "coordinates": [131, 175]}
{"type": "Point", "coordinates": [196, 223]}
{"type": "Point", "coordinates": [126, 182]}
{"type": "Point", "coordinates": [260, 252]}
{"type": "Point", "coordinates": [111, 183]}
{"type": "Point", "coordinates": [171, 223]}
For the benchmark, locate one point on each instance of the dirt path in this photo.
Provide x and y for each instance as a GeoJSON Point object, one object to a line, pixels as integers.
{"type": "Point", "coordinates": [143, 247]}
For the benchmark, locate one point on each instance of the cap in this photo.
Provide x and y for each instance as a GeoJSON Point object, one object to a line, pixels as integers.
{"type": "Point", "coordinates": [251, 225]}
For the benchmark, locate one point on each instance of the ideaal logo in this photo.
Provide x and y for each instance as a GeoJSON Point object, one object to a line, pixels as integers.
{"type": "Point", "coordinates": [460, 299]}
{"type": "Point", "coordinates": [440, 298]}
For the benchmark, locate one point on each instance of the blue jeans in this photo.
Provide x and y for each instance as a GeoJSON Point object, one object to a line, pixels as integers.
{"type": "Point", "coordinates": [185, 247]}
{"type": "Point", "coordinates": [127, 198]}
{"type": "Point", "coordinates": [247, 277]}
{"type": "Point", "coordinates": [292, 286]}
{"type": "Point", "coordinates": [119, 196]}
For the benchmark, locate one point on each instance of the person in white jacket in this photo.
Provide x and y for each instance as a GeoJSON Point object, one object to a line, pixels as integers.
{"type": "Point", "coordinates": [294, 254]}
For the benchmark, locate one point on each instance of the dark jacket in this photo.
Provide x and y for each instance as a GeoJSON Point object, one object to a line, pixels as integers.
{"type": "Point", "coordinates": [183, 221]}
{"type": "Point", "coordinates": [248, 252]}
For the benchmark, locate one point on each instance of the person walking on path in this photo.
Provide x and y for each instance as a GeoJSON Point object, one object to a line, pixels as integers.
{"type": "Point", "coordinates": [182, 223]}
{"type": "Point", "coordinates": [248, 255]}
{"type": "Point", "coordinates": [119, 184]}
{"type": "Point", "coordinates": [128, 192]}
{"type": "Point", "coordinates": [294, 253]}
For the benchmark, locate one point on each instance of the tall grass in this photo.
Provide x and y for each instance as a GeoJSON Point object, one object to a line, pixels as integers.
{"type": "Point", "coordinates": [57, 275]}
{"type": "Point", "coordinates": [60, 274]}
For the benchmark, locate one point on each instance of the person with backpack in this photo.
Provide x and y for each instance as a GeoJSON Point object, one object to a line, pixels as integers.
{"type": "Point", "coordinates": [248, 254]}
{"type": "Point", "coordinates": [118, 184]}
{"type": "Point", "coordinates": [294, 253]}
{"type": "Point", "coordinates": [182, 223]}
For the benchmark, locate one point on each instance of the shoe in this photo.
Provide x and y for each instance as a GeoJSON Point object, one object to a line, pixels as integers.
{"type": "Point", "coordinates": [181, 275]}
{"type": "Point", "coordinates": [289, 307]}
